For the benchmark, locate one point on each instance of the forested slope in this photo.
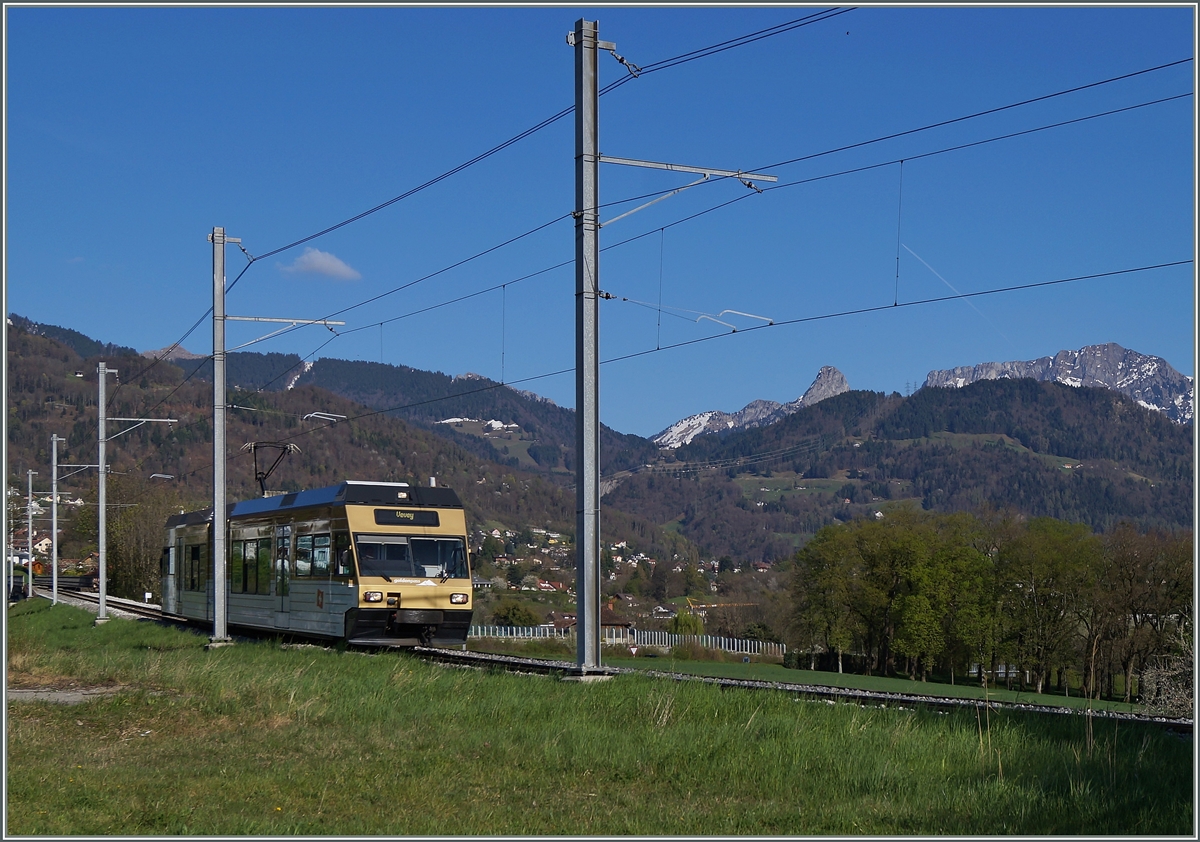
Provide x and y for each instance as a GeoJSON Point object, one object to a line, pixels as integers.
{"type": "Point", "coordinates": [1041, 449]}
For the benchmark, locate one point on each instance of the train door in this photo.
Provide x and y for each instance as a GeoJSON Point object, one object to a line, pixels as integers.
{"type": "Point", "coordinates": [179, 577]}
{"type": "Point", "coordinates": [283, 563]}
{"type": "Point", "coordinates": [167, 588]}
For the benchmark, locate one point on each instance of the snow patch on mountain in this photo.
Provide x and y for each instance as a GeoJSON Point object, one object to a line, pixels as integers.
{"type": "Point", "coordinates": [304, 369]}
{"type": "Point", "coordinates": [760, 413]}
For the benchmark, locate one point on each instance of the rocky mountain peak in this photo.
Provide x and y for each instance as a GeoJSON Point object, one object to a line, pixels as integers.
{"type": "Point", "coordinates": [1149, 380]}
{"type": "Point", "coordinates": [760, 413]}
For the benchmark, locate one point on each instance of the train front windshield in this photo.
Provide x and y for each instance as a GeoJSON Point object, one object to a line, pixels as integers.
{"type": "Point", "coordinates": [402, 557]}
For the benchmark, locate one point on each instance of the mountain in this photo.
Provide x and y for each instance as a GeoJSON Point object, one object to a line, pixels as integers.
{"type": "Point", "coordinates": [45, 397]}
{"type": "Point", "coordinates": [543, 439]}
{"type": "Point", "coordinates": [760, 413]}
{"type": "Point", "coordinates": [1151, 381]}
{"type": "Point", "coordinates": [271, 372]}
{"type": "Point", "coordinates": [172, 353]}
{"type": "Point", "coordinates": [73, 339]}
{"type": "Point", "coordinates": [545, 431]}
{"type": "Point", "coordinates": [1038, 449]}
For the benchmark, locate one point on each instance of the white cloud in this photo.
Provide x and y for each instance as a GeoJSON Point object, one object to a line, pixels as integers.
{"type": "Point", "coordinates": [317, 262]}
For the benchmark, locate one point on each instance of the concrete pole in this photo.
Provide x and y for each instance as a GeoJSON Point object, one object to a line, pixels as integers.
{"type": "Point", "coordinates": [102, 615]}
{"type": "Point", "coordinates": [54, 440]}
{"type": "Point", "coordinates": [219, 635]}
{"type": "Point", "coordinates": [587, 374]}
{"type": "Point", "coordinates": [29, 537]}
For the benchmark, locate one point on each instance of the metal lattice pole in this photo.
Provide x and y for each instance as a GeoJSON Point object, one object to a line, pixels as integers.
{"type": "Point", "coordinates": [587, 410]}
{"type": "Point", "coordinates": [219, 635]}
{"type": "Point", "coordinates": [102, 538]}
{"type": "Point", "coordinates": [29, 537]}
{"type": "Point", "coordinates": [54, 440]}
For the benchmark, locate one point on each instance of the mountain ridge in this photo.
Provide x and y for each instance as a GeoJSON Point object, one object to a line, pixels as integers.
{"type": "Point", "coordinates": [1083, 454]}
{"type": "Point", "coordinates": [760, 413]}
{"type": "Point", "coordinates": [1149, 380]}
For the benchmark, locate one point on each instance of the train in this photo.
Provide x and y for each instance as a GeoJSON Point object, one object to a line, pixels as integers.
{"type": "Point", "coordinates": [377, 564]}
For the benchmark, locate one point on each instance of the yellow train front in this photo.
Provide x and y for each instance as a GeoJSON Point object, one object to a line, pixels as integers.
{"type": "Point", "coordinates": [373, 563]}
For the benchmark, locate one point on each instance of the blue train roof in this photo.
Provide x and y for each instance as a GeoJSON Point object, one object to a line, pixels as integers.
{"type": "Point", "coordinates": [350, 492]}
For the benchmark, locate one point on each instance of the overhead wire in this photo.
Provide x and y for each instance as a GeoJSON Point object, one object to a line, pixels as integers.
{"type": "Point", "coordinates": [554, 118]}
{"type": "Point", "coordinates": [780, 323]}
{"type": "Point", "coordinates": [675, 61]}
{"type": "Point", "coordinates": [661, 65]}
{"type": "Point", "coordinates": [883, 307]}
{"type": "Point", "coordinates": [977, 114]}
{"type": "Point", "coordinates": [894, 161]}
{"type": "Point", "coordinates": [683, 58]}
{"type": "Point", "coordinates": [690, 217]}
{"type": "Point", "coordinates": [741, 41]}
{"type": "Point", "coordinates": [651, 68]}
{"type": "Point", "coordinates": [166, 352]}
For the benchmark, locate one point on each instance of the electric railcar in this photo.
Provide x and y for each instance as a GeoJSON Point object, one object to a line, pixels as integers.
{"type": "Point", "coordinates": [373, 563]}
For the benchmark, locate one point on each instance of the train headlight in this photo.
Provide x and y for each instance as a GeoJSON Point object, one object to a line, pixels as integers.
{"type": "Point", "coordinates": [373, 596]}
{"type": "Point", "coordinates": [458, 599]}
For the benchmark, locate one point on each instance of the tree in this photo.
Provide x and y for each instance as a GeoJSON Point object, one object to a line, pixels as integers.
{"type": "Point", "coordinates": [760, 631]}
{"type": "Point", "coordinates": [491, 547]}
{"type": "Point", "coordinates": [658, 582]}
{"type": "Point", "coordinates": [512, 613]}
{"type": "Point", "coordinates": [825, 617]}
{"type": "Point", "coordinates": [1168, 684]}
{"type": "Point", "coordinates": [685, 622]}
{"type": "Point", "coordinates": [135, 534]}
{"type": "Point", "coordinates": [1042, 579]}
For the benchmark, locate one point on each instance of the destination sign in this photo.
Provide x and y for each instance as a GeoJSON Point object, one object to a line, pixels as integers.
{"type": "Point", "coordinates": [406, 517]}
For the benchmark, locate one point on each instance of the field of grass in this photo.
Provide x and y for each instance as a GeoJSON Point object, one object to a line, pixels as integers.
{"type": "Point", "coordinates": [264, 739]}
{"type": "Point", "coordinates": [729, 665]}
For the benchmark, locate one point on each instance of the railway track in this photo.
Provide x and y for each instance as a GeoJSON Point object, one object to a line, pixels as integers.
{"type": "Point", "coordinates": [112, 605]}
{"type": "Point", "coordinates": [816, 692]}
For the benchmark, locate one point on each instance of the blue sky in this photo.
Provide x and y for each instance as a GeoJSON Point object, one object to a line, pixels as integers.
{"type": "Point", "coordinates": [131, 132]}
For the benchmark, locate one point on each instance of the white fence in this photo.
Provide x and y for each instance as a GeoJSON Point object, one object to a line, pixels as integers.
{"type": "Point", "coordinates": [620, 636]}
{"type": "Point", "coordinates": [520, 632]}
{"type": "Point", "coordinates": [708, 641]}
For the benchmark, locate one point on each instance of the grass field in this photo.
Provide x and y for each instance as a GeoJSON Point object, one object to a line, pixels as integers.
{"type": "Point", "coordinates": [728, 665]}
{"type": "Point", "coordinates": [269, 740]}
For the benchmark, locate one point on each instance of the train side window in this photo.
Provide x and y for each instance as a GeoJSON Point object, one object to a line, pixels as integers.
{"type": "Point", "coordinates": [344, 564]}
{"type": "Point", "coordinates": [236, 573]}
{"type": "Point", "coordinates": [320, 555]}
{"type": "Point", "coordinates": [283, 558]}
{"type": "Point", "coordinates": [264, 566]}
{"type": "Point", "coordinates": [193, 574]}
{"type": "Point", "coordinates": [250, 565]}
{"type": "Point", "coordinates": [304, 555]}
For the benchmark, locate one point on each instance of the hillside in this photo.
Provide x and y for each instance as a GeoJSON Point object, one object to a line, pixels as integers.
{"type": "Point", "coordinates": [1039, 448]}
{"type": "Point", "coordinates": [426, 398]}
{"type": "Point", "coordinates": [46, 397]}
{"type": "Point", "coordinates": [1080, 454]}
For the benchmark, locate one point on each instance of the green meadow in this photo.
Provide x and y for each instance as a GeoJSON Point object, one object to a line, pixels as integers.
{"type": "Point", "coordinates": [266, 739]}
